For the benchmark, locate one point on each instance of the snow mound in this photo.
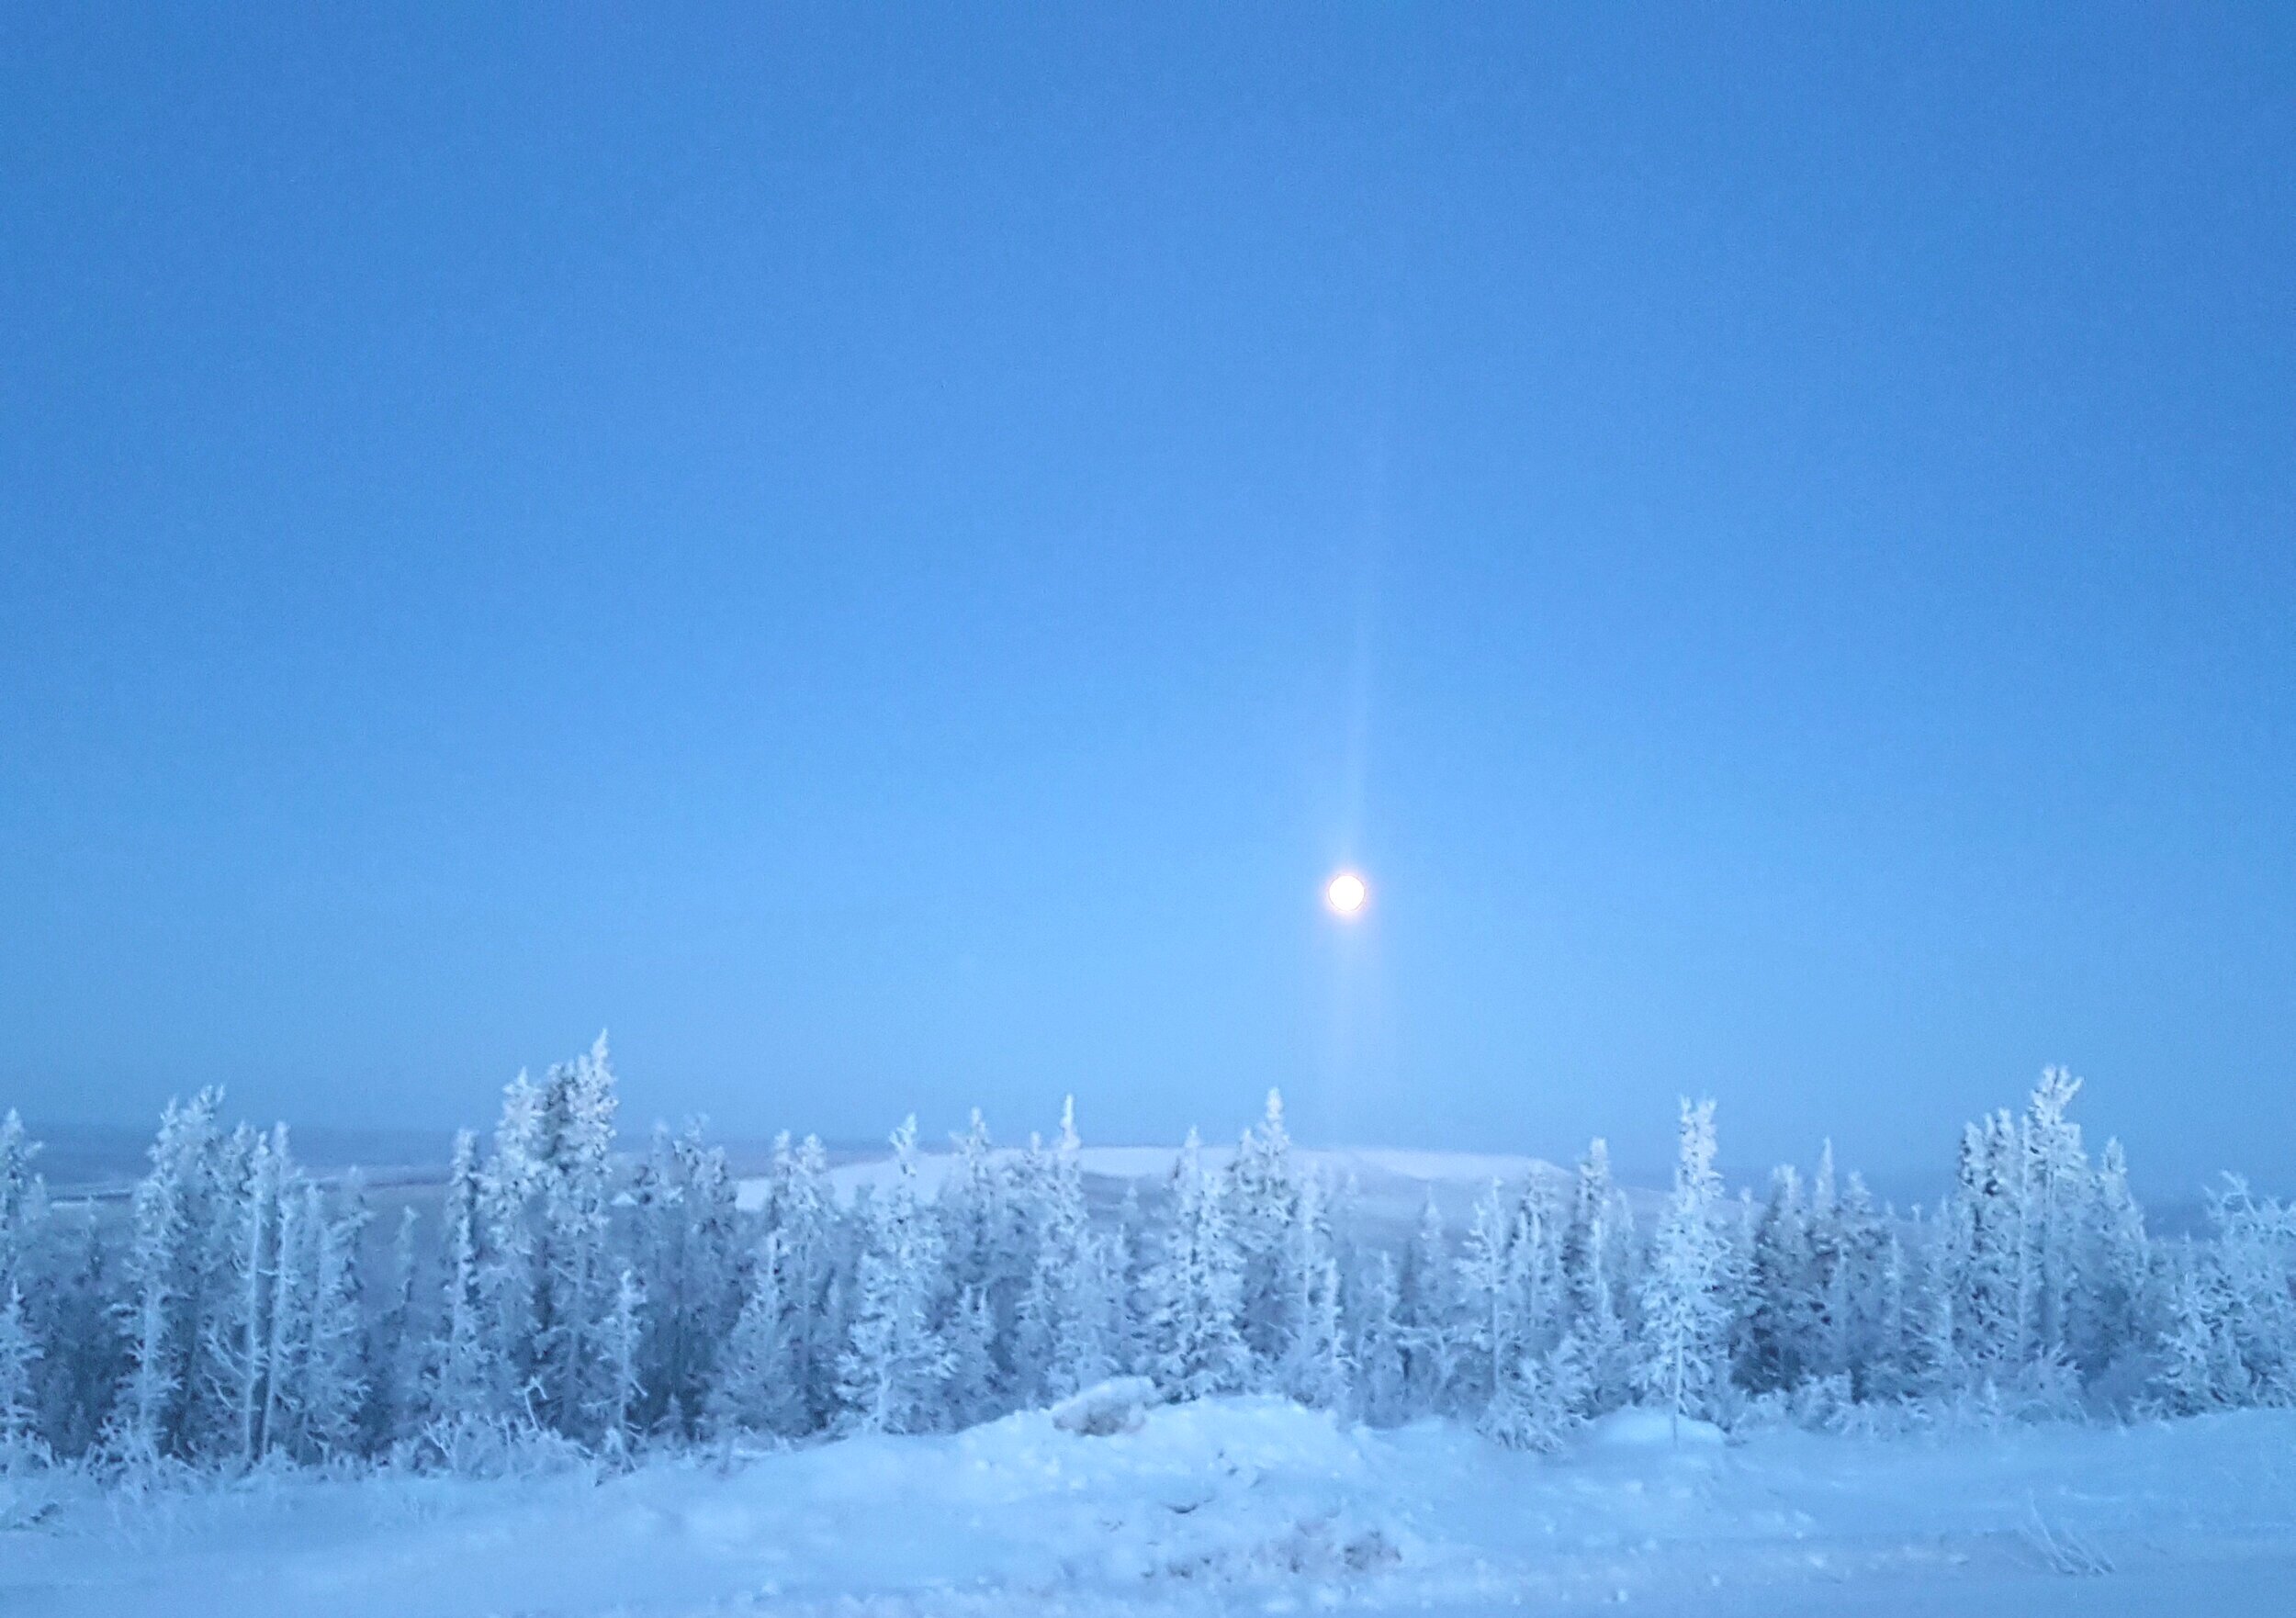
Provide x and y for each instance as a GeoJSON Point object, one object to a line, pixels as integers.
{"type": "Point", "coordinates": [1639, 1429]}
{"type": "Point", "coordinates": [1115, 1406]}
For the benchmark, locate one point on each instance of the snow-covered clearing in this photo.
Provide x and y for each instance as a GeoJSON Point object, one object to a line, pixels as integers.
{"type": "Point", "coordinates": [1241, 1505]}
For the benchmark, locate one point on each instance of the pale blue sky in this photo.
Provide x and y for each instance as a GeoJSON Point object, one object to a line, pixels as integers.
{"type": "Point", "coordinates": [884, 553]}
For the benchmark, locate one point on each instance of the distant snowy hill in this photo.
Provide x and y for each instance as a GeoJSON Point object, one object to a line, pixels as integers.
{"type": "Point", "coordinates": [1390, 1184]}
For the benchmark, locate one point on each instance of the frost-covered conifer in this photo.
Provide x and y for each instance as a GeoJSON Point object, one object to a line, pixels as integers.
{"type": "Point", "coordinates": [1371, 1306]}
{"type": "Point", "coordinates": [258, 1221]}
{"type": "Point", "coordinates": [892, 1376]}
{"type": "Point", "coordinates": [1067, 1335]}
{"type": "Point", "coordinates": [21, 1201]}
{"type": "Point", "coordinates": [1541, 1399]}
{"type": "Point", "coordinates": [1262, 1205]}
{"type": "Point", "coordinates": [1776, 1351]}
{"type": "Point", "coordinates": [1535, 1265]}
{"type": "Point", "coordinates": [2112, 1314]}
{"type": "Point", "coordinates": [462, 1385]}
{"type": "Point", "coordinates": [176, 1400]}
{"type": "Point", "coordinates": [294, 1302]}
{"type": "Point", "coordinates": [23, 1220]}
{"type": "Point", "coordinates": [1984, 1251]}
{"type": "Point", "coordinates": [79, 1322]}
{"type": "Point", "coordinates": [760, 1383]}
{"type": "Point", "coordinates": [395, 1346]}
{"type": "Point", "coordinates": [546, 1273]}
{"type": "Point", "coordinates": [1427, 1314]}
{"type": "Point", "coordinates": [1936, 1370]}
{"type": "Point", "coordinates": [620, 1342]}
{"type": "Point", "coordinates": [1193, 1290]}
{"type": "Point", "coordinates": [20, 1443]}
{"type": "Point", "coordinates": [978, 1222]}
{"type": "Point", "coordinates": [1491, 1309]}
{"type": "Point", "coordinates": [2056, 1185]}
{"type": "Point", "coordinates": [686, 1237]}
{"type": "Point", "coordinates": [2200, 1369]}
{"type": "Point", "coordinates": [971, 1391]}
{"type": "Point", "coordinates": [2254, 1269]}
{"type": "Point", "coordinates": [577, 1277]}
{"type": "Point", "coordinates": [331, 1368]}
{"type": "Point", "coordinates": [1593, 1269]}
{"type": "Point", "coordinates": [1850, 1334]}
{"type": "Point", "coordinates": [511, 1191]}
{"type": "Point", "coordinates": [1685, 1308]}
{"type": "Point", "coordinates": [1317, 1367]}
{"type": "Point", "coordinates": [799, 1208]}
{"type": "Point", "coordinates": [1125, 1260]}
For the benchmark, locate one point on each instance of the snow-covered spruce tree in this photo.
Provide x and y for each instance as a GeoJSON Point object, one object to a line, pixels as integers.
{"type": "Point", "coordinates": [1865, 1299]}
{"type": "Point", "coordinates": [990, 1219]}
{"type": "Point", "coordinates": [294, 1298]}
{"type": "Point", "coordinates": [21, 1445]}
{"type": "Point", "coordinates": [331, 1366]}
{"type": "Point", "coordinates": [177, 1401]}
{"type": "Point", "coordinates": [510, 1195]}
{"type": "Point", "coordinates": [1317, 1367]}
{"type": "Point", "coordinates": [257, 1217]}
{"type": "Point", "coordinates": [1263, 1194]}
{"type": "Point", "coordinates": [2116, 1320]}
{"type": "Point", "coordinates": [2254, 1269]}
{"type": "Point", "coordinates": [2056, 1186]}
{"type": "Point", "coordinates": [1020, 1257]}
{"type": "Point", "coordinates": [1374, 1310]}
{"type": "Point", "coordinates": [1192, 1291]}
{"type": "Point", "coordinates": [760, 1385]}
{"type": "Point", "coordinates": [546, 1273]}
{"type": "Point", "coordinates": [1427, 1315]}
{"type": "Point", "coordinates": [2200, 1366]}
{"type": "Point", "coordinates": [77, 1320]}
{"type": "Point", "coordinates": [1526, 1369]}
{"type": "Point", "coordinates": [577, 1277]}
{"type": "Point", "coordinates": [1068, 1315]}
{"type": "Point", "coordinates": [1127, 1262]}
{"type": "Point", "coordinates": [1983, 1253]}
{"type": "Point", "coordinates": [2016, 1249]}
{"type": "Point", "coordinates": [621, 1343]}
{"type": "Point", "coordinates": [1934, 1371]}
{"type": "Point", "coordinates": [1777, 1335]}
{"type": "Point", "coordinates": [23, 1205]}
{"type": "Point", "coordinates": [973, 1390]}
{"type": "Point", "coordinates": [1685, 1309]}
{"type": "Point", "coordinates": [1492, 1334]}
{"type": "Point", "coordinates": [462, 1385]}
{"type": "Point", "coordinates": [22, 1202]}
{"type": "Point", "coordinates": [1534, 1263]}
{"type": "Point", "coordinates": [688, 1242]}
{"type": "Point", "coordinates": [798, 1206]}
{"type": "Point", "coordinates": [1592, 1274]}
{"type": "Point", "coordinates": [396, 1345]}
{"type": "Point", "coordinates": [894, 1373]}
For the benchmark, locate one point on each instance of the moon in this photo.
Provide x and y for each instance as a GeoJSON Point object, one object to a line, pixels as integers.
{"type": "Point", "coordinates": [1346, 894]}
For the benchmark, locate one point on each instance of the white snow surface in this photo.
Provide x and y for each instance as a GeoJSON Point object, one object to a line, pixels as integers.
{"type": "Point", "coordinates": [1234, 1505]}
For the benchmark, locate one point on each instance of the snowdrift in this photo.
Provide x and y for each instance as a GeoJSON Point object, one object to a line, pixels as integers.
{"type": "Point", "coordinates": [1241, 1504]}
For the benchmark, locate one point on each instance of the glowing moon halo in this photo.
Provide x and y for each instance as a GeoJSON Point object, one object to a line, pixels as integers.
{"type": "Point", "coordinates": [1346, 894]}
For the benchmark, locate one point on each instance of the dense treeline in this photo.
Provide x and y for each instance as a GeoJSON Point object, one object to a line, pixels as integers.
{"type": "Point", "coordinates": [246, 1312]}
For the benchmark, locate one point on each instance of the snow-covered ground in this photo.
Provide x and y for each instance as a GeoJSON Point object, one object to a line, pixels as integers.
{"type": "Point", "coordinates": [1241, 1505]}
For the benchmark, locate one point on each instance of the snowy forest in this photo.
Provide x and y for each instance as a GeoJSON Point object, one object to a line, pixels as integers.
{"type": "Point", "coordinates": [240, 1312]}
